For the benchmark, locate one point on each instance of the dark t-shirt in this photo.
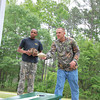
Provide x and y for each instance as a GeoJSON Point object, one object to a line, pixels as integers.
{"type": "Point", "coordinates": [28, 43]}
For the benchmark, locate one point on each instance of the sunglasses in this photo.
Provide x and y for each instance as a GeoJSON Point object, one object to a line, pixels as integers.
{"type": "Point", "coordinates": [34, 32]}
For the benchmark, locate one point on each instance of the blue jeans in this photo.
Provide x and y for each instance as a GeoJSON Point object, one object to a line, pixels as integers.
{"type": "Point", "coordinates": [72, 77]}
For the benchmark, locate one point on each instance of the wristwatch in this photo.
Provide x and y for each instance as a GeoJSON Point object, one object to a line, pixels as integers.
{"type": "Point", "coordinates": [75, 61]}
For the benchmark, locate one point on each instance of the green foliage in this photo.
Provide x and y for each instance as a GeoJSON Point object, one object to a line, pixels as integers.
{"type": "Point", "coordinates": [48, 84]}
{"type": "Point", "coordinates": [89, 68]}
{"type": "Point", "coordinates": [49, 12]}
{"type": "Point", "coordinates": [18, 23]}
{"type": "Point", "coordinates": [22, 23]}
{"type": "Point", "coordinates": [67, 91]}
{"type": "Point", "coordinates": [20, 19]}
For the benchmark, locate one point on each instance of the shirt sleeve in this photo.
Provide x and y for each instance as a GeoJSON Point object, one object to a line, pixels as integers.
{"type": "Point", "coordinates": [40, 47]}
{"type": "Point", "coordinates": [76, 51]}
{"type": "Point", "coordinates": [22, 43]}
{"type": "Point", "coordinates": [51, 53]}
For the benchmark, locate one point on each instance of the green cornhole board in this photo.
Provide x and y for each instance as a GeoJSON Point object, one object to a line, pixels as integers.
{"type": "Point", "coordinates": [35, 96]}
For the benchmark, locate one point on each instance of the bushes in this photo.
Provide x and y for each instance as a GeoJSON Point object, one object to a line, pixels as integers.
{"type": "Point", "coordinates": [89, 69]}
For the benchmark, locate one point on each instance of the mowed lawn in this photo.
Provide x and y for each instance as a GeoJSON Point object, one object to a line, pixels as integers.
{"type": "Point", "coordinates": [4, 94]}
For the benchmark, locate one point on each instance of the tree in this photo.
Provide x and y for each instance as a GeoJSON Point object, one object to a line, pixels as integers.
{"type": "Point", "coordinates": [88, 16]}
{"type": "Point", "coordinates": [89, 68]}
{"type": "Point", "coordinates": [18, 23]}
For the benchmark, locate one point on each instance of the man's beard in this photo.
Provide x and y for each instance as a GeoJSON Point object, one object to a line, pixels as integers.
{"type": "Point", "coordinates": [32, 37]}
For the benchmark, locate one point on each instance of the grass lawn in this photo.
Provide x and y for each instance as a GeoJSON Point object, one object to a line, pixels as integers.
{"type": "Point", "coordinates": [4, 94]}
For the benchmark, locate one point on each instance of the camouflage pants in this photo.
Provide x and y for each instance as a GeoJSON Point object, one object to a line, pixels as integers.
{"type": "Point", "coordinates": [27, 71]}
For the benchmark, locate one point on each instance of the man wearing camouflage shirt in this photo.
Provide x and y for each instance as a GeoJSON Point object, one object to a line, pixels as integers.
{"type": "Point", "coordinates": [68, 54]}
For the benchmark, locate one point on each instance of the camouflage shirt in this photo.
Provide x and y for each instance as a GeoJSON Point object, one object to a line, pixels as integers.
{"type": "Point", "coordinates": [67, 51]}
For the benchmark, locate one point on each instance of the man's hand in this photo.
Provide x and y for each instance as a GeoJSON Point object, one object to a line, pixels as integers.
{"type": "Point", "coordinates": [28, 53]}
{"type": "Point", "coordinates": [72, 65]}
{"type": "Point", "coordinates": [20, 50]}
{"type": "Point", "coordinates": [43, 58]}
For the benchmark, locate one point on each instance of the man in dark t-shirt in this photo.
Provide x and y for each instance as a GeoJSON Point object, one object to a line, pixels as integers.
{"type": "Point", "coordinates": [29, 62]}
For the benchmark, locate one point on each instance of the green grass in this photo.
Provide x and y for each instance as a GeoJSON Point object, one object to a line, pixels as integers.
{"type": "Point", "coordinates": [4, 94]}
{"type": "Point", "coordinates": [65, 99]}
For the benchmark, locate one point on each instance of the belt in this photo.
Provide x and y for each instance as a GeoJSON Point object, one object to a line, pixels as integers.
{"type": "Point", "coordinates": [64, 66]}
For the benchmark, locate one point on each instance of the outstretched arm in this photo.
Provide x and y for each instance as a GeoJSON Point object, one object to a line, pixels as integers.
{"type": "Point", "coordinates": [51, 53]}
